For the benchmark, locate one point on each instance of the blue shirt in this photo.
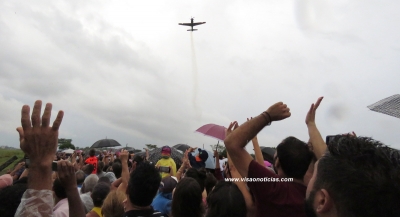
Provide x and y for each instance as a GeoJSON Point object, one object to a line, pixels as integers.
{"type": "Point", "coordinates": [162, 203]}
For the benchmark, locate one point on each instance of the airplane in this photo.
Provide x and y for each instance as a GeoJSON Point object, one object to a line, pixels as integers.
{"type": "Point", "coordinates": [191, 24]}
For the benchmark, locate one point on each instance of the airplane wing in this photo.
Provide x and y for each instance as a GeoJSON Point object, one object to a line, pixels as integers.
{"type": "Point", "coordinates": [185, 24]}
{"type": "Point", "coordinates": [195, 24]}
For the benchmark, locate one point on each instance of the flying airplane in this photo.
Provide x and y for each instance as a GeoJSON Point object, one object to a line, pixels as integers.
{"type": "Point", "coordinates": [191, 24]}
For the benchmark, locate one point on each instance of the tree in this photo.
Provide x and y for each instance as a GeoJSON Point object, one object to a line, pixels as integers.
{"type": "Point", "coordinates": [221, 149]}
{"type": "Point", "coordinates": [151, 147]}
{"type": "Point", "coordinates": [65, 144]}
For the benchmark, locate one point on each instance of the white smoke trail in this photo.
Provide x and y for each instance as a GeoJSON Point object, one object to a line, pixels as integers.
{"type": "Point", "coordinates": [194, 69]}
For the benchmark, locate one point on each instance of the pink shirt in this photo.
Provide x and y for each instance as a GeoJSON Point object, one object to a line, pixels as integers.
{"type": "Point", "coordinates": [61, 208]}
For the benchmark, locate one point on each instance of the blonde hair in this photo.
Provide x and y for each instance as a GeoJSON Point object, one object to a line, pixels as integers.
{"type": "Point", "coordinates": [112, 205]}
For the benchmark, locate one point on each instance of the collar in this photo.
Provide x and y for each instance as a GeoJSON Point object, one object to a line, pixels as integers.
{"type": "Point", "coordinates": [198, 159]}
{"type": "Point", "coordinates": [61, 203]}
{"type": "Point", "coordinates": [97, 210]}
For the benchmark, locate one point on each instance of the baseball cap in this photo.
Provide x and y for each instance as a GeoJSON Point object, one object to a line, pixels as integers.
{"type": "Point", "coordinates": [203, 155]}
{"type": "Point", "coordinates": [165, 150]}
{"type": "Point", "coordinates": [168, 184]}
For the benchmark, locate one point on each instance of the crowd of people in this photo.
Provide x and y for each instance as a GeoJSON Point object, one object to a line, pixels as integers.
{"type": "Point", "coordinates": [349, 177]}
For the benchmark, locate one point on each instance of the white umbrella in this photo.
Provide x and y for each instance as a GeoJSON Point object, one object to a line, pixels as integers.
{"type": "Point", "coordinates": [68, 151]}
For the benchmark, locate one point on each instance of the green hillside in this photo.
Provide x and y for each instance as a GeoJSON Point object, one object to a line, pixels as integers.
{"type": "Point", "coordinates": [6, 154]}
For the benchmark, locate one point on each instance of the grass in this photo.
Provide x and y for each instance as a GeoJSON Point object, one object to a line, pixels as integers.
{"type": "Point", "coordinates": [7, 154]}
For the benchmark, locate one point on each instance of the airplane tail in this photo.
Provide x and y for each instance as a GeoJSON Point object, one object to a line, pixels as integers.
{"type": "Point", "coordinates": [192, 30]}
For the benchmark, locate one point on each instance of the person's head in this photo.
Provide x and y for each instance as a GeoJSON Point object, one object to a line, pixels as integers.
{"type": "Point", "coordinates": [100, 166]}
{"type": "Point", "coordinates": [168, 184]}
{"type": "Point", "coordinates": [198, 175]}
{"type": "Point", "coordinates": [104, 179]}
{"type": "Point", "coordinates": [10, 198]}
{"type": "Point", "coordinates": [143, 185]}
{"type": "Point", "coordinates": [99, 193]}
{"type": "Point", "coordinates": [187, 199]}
{"type": "Point", "coordinates": [356, 177]}
{"type": "Point", "coordinates": [210, 182]}
{"type": "Point", "coordinates": [221, 205]}
{"type": "Point", "coordinates": [59, 190]}
{"type": "Point", "coordinates": [292, 158]}
{"type": "Point", "coordinates": [202, 156]}
{"type": "Point", "coordinates": [80, 177]}
{"type": "Point", "coordinates": [117, 169]}
{"type": "Point", "coordinates": [88, 169]}
{"type": "Point", "coordinates": [113, 204]}
{"type": "Point", "coordinates": [166, 152]}
{"type": "Point", "coordinates": [92, 152]}
{"type": "Point", "coordinates": [89, 183]}
{"type": "Point", "coordinates": [138, 159]}
{"type": "Point", "coordinates": [220, 157]}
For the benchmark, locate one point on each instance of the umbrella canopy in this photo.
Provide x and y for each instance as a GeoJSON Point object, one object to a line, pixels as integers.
{"type": "Point", "coordinates": [210, 162]}
{"type": "Point", "coordinates": [105, 143]}
{"type": "Point", "coordinates": [68, 151]}
{"type": "Point", "coordinates": [268, 153]}
{"type": "Point", "coordinates": [389, 106]}
{"type": "Point", "coordinates": [213, 130]}
{"type": "Point", "coordinates": [181, 147]}
{"type": "Point", "coordinates": [155, 155]}
{"type": "Point", "coordinates": [142, 154]}
{"type": "Point", "coordinates": [268, 150]}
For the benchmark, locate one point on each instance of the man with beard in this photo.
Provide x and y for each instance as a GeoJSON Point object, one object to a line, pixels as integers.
{"type": "Point", "coordinates": [356, 177]}
{"type": "Point", "coordinates": [273, 198]}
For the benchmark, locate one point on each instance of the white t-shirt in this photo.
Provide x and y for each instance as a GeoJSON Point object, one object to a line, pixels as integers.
{"type": "Point", "coordinates": [222, 162]}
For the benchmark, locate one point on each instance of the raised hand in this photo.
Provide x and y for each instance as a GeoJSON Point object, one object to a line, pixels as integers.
{"type": "Point", "coordinates": [37, 139]}
{"type": "Point", "coordinates": [216, 155]}
{"type": "Point", "coordinates": [232, 126]}
{"type": "Point", "coordinates": [66, 174]}
{"type": "Point", "coordinates": [124, 155]}
{"type": "Point", "coordinates": [278, 111]}
{"type": "Point", "coordinates": [310, 118]}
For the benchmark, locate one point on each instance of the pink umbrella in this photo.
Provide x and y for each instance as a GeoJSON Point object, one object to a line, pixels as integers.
{"type": "Point", "coordinates": [213, 130]}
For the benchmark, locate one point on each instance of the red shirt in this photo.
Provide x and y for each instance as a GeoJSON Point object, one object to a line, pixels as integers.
{"type": "Point", "coordinates": [277, 199]}
{"type": "Point", "coordinates": [93, 161]}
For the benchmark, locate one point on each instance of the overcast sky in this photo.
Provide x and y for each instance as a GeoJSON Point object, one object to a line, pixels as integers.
{"type": "Point", "coordinates": [126, 70]}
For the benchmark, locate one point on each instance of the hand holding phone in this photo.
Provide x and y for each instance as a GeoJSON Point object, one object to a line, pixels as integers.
{"type": "Point", "coordinates": [164, 169]}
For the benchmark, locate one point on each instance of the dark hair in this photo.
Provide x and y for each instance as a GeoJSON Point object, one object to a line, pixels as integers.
{"type": "Point", "coordinates": [222, 205]}
{"type": "Point", "coordinates": [117, 161]}
{"type": "Point", "coordinates": [92, 152]}
{"type": "Point", "coordinates": [99, 193]}
{"type": "Point", "coordinates": [117, 169]}
{"type": "Point", "coordinates": [198, 175]}
{"type": "Point", "coordinates": [138, 159]}
{"type": "Point", "coordinates": [104, 179]}
{"type": "Point", "coordinates": [59, 190]}
{"type": "Point", "coordinates": [100, 166]}
{"type": "Point", "coordinates": [143, 184]}
{"type": "Point", "coordinates": [361, 175]}
{"type": "Point", "coordinates": [10, 198]}
{"type": "Point", "coordinates": [294, 157]}
{"type": "Point", "coordinates": [80, 177]}
{"type": "Point", "coordinates": [88, 169]}
{"type": "Point", "coordinates": [187, 199]}
{"type": "Point", "coordinates": [209, 182]}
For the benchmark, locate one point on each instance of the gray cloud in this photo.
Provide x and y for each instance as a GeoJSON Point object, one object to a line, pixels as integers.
{"type": "Point", "coordinates": [124, 70]}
